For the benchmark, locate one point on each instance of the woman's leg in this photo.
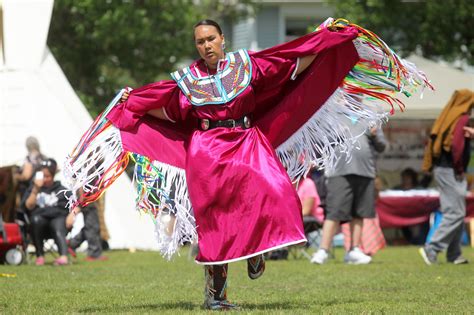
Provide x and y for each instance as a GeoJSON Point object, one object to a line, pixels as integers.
{"type": "Point", "coordinates": [58, 228]}
{"type": "Point", "coordinates": [255, 266]}
{"type": "Point", "coordinates": [216, 287]}
{"type": "Point", "coordinates": [39, 226]}
{"type": "Point", "coordinates": [216, 281]}
{"type": "Point", "coordinates": [92, 232]}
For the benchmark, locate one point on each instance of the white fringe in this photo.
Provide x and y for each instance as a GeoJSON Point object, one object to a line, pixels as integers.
{"type": "Point", "coordinates": [326, 134]}
{"type": "Point", "coordinates": [99, 155]}
{"type": "Point", "coordinates": [90, 165]}
{"type": "Point", "coordinates": [175, 224]}
{"type": "Point", "coordinates": [319, 142]}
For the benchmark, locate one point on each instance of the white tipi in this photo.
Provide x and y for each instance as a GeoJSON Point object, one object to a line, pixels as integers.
{"type": "Point", "coordinates": [37, 99]}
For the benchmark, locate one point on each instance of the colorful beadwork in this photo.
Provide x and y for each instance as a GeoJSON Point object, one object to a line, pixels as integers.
{"type": "Point", "coordinates": [220, 88]}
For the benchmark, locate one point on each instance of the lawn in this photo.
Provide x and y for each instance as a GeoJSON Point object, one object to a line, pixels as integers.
{"type": "Point", "coordinates": [397, 281]}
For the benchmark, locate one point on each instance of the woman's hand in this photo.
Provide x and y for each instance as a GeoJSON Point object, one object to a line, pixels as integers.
{"type": "Point", "coordinates": [39, 180]}
{"type": "Point", "coordinates": [304, 63]}
{"type": "Point", "coordinates": [158, 113]}
{"type": "Point", "coordinates": [468, 132]}
{"type": "Point", "coordinates": [125, 96]}
{"type": "Point", "coordinates": [30, 202]}
{"type": "Point", "coordinates": [71, 217]}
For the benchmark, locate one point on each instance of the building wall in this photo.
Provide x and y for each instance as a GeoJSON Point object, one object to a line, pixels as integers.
{"type": "Point", "coordinates": [277, 22]}
{"type": "Point", "coordinates": [269, 27]}
{"type": "Point", "coordinates": [243, 34]}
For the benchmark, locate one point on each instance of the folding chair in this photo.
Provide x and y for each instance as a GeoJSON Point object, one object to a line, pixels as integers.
{"type": "Point", "coordinates": [49, 245]}
{"type": "Point", "coordinates": [313, 233]}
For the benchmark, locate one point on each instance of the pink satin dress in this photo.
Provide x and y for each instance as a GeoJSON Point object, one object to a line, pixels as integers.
{"type": "Point", "coordinates": [243, 200]}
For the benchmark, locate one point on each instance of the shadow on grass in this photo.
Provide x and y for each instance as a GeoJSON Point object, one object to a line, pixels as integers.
{"type": "Point", "coordinates": [183, 306]}
{"type": "Point", "coordinates": [337, 302]}
{"type": "Point", "coordinates": [268, 306]}
{"type": "Point", "coordinates": [142, 307]}
{"type": "Point", "coordinates": [292, 305]}
{"type": "Point", "coordinates": [188, 306]}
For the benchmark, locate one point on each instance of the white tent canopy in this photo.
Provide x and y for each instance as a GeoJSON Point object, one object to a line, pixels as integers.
{"type": "Point", "coordinates": [36, 99]}
{"type": "Point", "coordinates": [445, 79]}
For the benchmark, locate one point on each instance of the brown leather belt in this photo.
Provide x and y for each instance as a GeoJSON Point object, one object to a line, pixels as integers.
{"type": "Point", "coordinates": [243, 122]}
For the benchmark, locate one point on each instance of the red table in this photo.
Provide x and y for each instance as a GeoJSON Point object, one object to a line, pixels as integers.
{"type": "Point", "coordinates": [406, 209]}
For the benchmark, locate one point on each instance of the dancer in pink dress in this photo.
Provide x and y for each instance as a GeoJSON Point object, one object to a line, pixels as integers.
{"type": "Point", "coordinates": [211, 146]}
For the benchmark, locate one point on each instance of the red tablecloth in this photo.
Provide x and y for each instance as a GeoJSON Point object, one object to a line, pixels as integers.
{"type": "Point", "coordinates": [400, 211]}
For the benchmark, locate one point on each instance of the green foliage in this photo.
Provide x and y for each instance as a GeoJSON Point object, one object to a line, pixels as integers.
{"type": "Point", "coordinates": [436, 29]}
{"type": "Point", "coordinates": [397, 282]}
{"type": "Point", "coordinates": [105, 45]}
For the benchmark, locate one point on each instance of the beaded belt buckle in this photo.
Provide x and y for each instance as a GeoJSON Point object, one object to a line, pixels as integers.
{"type": "Point", "coordinates": [207, 124]}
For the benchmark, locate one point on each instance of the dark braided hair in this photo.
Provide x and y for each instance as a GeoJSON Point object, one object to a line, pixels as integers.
{"type": "Point", "coordinates": [210, 23]}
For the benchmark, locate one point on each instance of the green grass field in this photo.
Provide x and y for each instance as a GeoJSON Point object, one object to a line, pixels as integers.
{"type": "Point", "coordinates": [397, 281]}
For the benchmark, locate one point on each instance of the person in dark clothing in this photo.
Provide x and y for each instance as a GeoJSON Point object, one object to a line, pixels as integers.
{"type": "Point", "coordinates": [90, 233]}
{"type": "Point", "coordinates": [408, 179]}
{"type": "Point", "coordinates": [47, 207]}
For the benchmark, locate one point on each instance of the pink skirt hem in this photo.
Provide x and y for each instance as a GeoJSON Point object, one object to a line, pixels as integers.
{"type": "Point", "coordinates": [304, 240]}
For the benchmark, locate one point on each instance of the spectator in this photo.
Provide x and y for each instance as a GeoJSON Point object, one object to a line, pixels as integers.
{"type": "Point", "coordinates": [351, 197]}
{"type": "Point", "coordinates": [414, 234]}
{"type": "Point", "coordinates": [47, 206]}
{"type": "Point", "coordinates": [447, 155]}
{"type": "Point", "coordinates": [408, 180]}
{"type": "Point", "coordinates": [90, 233]}
{"type": "Point", "coordinates": [30, 165]}
{"type": "Point", "coordinates": [310, 201]}
{"type": "Point", "coordinates": [311, 210]}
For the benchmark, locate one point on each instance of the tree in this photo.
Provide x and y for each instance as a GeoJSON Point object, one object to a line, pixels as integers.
{"type": "Point", "coordinates": [436, 29]}
{"type": "Point", "coordinates": [105, 45]}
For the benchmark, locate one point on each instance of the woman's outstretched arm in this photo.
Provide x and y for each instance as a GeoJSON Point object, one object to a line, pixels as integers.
{"type": "Point", "coordinates": [304, 63]}
{"type": "Point", "coordinates": [158, 113]}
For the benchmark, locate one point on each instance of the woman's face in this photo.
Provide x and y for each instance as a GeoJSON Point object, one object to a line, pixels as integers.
{"type": "Point", "coordinates": [209, 44]}
{"type": "Point", "coordinates": [48, 178]}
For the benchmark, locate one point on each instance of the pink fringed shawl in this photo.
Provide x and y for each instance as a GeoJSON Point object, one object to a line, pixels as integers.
{"type": "Point", "coordinates": [354, 74]}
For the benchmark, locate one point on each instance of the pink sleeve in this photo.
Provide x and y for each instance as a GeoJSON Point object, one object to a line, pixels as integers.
{"type": "Point", "coordinates": [162, 94]}
{"type": "Point", "coordinates": [276, 65]}
{"type": "Point", "coordinates": [177, 109]}
{"type": "Point", "coordinates": [269, 72]}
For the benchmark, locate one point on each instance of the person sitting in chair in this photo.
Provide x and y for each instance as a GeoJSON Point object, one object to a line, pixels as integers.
{"type": "Point", "coordinates": [313, 214]}
{"type": "Point", "coordinates": [310, 201]}
{"type": "Point", "coordinates": [47, 209]}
